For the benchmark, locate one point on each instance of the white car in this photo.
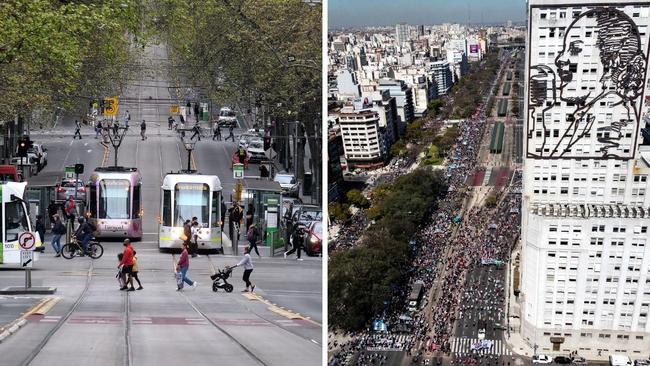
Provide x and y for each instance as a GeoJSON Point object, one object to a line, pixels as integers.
{"type": "Point", "coordinates": [227, 117]}
{"type": "Point", "coordinates": [542, 359]}
{"type": "Point", "coordinates": [481, 334]}
{"type": "Point", "coordinates": [37, 154]}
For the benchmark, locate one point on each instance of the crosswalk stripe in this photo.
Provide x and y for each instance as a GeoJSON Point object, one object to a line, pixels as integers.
{"type": "Point", "coordinates": [462, 346]}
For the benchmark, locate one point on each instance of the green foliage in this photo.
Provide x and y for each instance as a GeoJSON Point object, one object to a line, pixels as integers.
{"type": "Point", "coordinates": [398, 148]}
{"type": "Point", "coordinates": [356, 198]}
{"type": "Point", "coordinates": [467, 93]}
{"type": "Point", "coordinates": [339, 211]}
{"type": "Point", "coordinates": [362, 278]}
{"type": "Point", "coordinates": [491, 201]}
{"type": "Point", "coordinates": [249, 51]}
{"type": "Point", "coordinates": [433, 156]}
{"type": "Point", "coordinates": [435, 106]}
{"type": "Point", "coordinates": [59, 53]}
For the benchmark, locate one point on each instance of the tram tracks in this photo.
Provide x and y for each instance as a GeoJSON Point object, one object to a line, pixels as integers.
{"type": "Point", "coordinates": [128, 359]}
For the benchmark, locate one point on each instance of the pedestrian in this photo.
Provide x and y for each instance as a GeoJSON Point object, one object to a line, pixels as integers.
{"type": "Point", "coordinates": [127, 118]}
{"type": "Point", "coordinates": [116, 128]}
{"type": "Point", "coordinates": [231, 135]}
{"type": "Point", "coordinates": [264, 171]}
{"type": "Point", "coordinates": [248, 269]}
{"type": "Point", "coordinates": [297, 242]}
{"type": "Point", "coordinates": [77, 131]}
{"type": "Point", "coordinates": [182, 119]}
{"type": "Point", "coordinates": [143, 130]}
{"type": "Point", "coordinates": [170, 122]}
{"type": "Point", "coordinates": [126, 264]}
{"type": "Point", "coordinates": [242, 155]}
{"type": "Point", "coordinates": [187, 232]}
{"type": "Point", "coordinates": [194, 245]}
{"type": "Point", "coordinates": [196, 111]}
{"type": "Point", "coordinates": [253, 235]}
{"type": "Point", "coordinates": [40, 227]}
{"type": "Point", "coordinates": [197, 131]}
{"type": "Point", "coordinates": [223, 213]}
{"type": "Point", "coordinates": [217, 132]}
{"type": "Point", "coordinates": [58, 229]}
{"type": "Point", "coordinates": [188, 108]}
{"type": "Point", "coordinates": [98, 129]}
{"type": "Point", "coordinates": [250, 214]}
{"type": "Point", "coordinates": [182, 266]}
{"type": "Point", "coordinates": [70, 208]}
{"type": "Point", "coordinates": [52, 209]}
{"type": "Point", "coordinates": [121, 278]}
{"type": "Point", "coordinates": [234, 218]}
{"type": "Point", "coordinates": [135, 270]}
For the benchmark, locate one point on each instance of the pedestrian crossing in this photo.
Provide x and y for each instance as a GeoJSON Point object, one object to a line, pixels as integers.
{"type": "Point", "coordinates": [399, 342]}
{"type": "Point", "coordinates": [462, 346]}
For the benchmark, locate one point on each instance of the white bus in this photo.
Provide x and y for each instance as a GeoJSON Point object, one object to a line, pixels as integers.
{"type": "Point", "coordinates": [15, 221]}
{"type": "Point", "coordinates": [185, 196]}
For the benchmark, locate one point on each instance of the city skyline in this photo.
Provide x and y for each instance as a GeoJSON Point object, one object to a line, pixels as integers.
{"type": "Point", "coordinates": [384, 13]}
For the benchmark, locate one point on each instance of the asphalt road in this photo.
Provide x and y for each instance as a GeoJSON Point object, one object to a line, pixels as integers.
{"type": "Point", "coordinates": [93, 323]}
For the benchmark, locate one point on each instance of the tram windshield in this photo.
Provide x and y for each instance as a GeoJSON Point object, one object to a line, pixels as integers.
{"type": "Point", "coordinates": [15, 220]}
{"type": "Point", "coordinates": [190, 200]}
{"type": "Point", "coordinates": [114, 199]}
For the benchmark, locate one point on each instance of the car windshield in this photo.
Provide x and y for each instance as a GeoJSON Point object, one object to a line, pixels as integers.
{"type": "Point", "coordinates": [311, 215]}
{"type": "Point", "coordinates": [227, 113]}
{"type": "Point", "coordinates": [191, 200]}
{"type": "Point", "coordinates": [114, 199]}
{"type": "Point", "coordinates": [318, 228]}
{"type": "Point", "coordinates": [285, 179]}
{"type": "Point", "coordinates": [256, 145]}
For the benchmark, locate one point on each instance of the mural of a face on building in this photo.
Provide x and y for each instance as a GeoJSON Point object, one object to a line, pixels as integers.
{"type": "Point", "coordinates": [600, 105]}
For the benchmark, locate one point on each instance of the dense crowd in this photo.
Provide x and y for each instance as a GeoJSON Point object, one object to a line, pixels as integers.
{"type": "Point", "coordinates": [481, 233]}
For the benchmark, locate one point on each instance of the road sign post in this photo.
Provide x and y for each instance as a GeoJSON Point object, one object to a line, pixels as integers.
{"type": "Point", "coordinates": [27, 241]}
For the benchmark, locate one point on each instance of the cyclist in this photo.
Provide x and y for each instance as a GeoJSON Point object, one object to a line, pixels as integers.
{"type": "Point", "coordinates": [84, 233]}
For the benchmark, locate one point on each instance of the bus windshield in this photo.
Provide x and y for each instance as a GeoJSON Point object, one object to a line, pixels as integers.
{"type": "Point", "coordinates": [190, 200]}
{"type": "Point", "coordinates": [114, 199]}
{"type": "Point", "coordinates": [15, 220]}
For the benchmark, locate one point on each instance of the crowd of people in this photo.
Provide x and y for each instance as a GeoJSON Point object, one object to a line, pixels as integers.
{"type": "Point", "coordinates": [448, 246]}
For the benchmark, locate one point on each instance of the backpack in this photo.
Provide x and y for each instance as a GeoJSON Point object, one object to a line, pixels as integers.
{"type": "Point", "coordinates": [250, 235]}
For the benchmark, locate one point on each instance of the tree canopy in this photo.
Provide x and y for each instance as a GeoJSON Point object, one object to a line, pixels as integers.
{"type": "Point", "coordinates": [57, 53]}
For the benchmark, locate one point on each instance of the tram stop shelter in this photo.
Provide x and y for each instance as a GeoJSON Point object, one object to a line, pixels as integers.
{"type": "Point", "coordinates": [40, 192]}
{"type": "Point", "coordinates": [266, 197]}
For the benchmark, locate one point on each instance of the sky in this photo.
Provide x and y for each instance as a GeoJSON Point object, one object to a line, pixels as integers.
{"type": "Point", "coordinates": [346, 13]}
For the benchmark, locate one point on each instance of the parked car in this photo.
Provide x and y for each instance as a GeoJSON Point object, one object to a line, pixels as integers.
{"type": "Point", "coordinates": [562, 360]}
{"type": "Point", "coordinates": [542, 359]}
{"type": "Point", "coordinates": [288, 184]}
{"type": "Point", "coordinates": [481, 333]}
{"type": "Point", "coordinates": [641, 362]}
{"type": "Point", "coordinates": [579, 361]}
{"type": "Point", "coordinates": [66, 189]}
{"type": "Point", "coordinates": [227, 117]}
{"type": "Point", "coordinates": [313, 240]}
{"type": "Point", "coordinates": [247, 137]}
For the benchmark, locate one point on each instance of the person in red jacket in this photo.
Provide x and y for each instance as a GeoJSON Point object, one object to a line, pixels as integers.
{"type": "Point", "coordinates": [127, 265]}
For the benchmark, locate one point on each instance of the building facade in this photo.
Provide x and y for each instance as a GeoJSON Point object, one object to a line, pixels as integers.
{"type": "Point", "coordinates": [402, 33]}
{"type": "Point", "coordinates": [363, 143]}
{"type": "Point", "coordinates": [585, 270]}
{"type": "Point", "coordinates": [441, 76]}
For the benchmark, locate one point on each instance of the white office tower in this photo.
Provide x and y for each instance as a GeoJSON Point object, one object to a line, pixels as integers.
{"type": "Point", "coordinates": [585, 270]}
{"type": "Point", "coordinates": [402, 33]}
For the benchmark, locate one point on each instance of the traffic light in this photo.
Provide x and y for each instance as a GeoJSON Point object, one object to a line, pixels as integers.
{"type": "Point", "coordinates": [78, 168]}
{"type": "Point", "coordinates": [23, 146]}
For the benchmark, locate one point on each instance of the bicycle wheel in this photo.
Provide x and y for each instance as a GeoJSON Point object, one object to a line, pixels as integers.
{"type": "Point", "coordinates": [95, 250]}
{"type": "Point", "coordinates": [68, 251]}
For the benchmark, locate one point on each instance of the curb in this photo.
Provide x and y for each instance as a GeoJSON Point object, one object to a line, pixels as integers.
{"type": "Point", "coordinates": [41, 308]}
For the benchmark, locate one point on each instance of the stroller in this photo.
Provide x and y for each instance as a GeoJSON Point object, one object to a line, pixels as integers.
{"type": "Point", "coordinates": [219, 280]}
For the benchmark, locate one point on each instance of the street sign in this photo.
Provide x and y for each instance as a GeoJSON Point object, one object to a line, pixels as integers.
{"type": "Point", "coordinates": [26, 240]}
{"type": "Point", "coordinates": [26, 258]}
{"type": "Point", "coordinates": [110, 107]}
{"type": "Point", "coordinates": [238, 171]}
{"type": "Point", "coordinates": [69, 172]}
{"type": "Point", "coordinates": [174, 110]}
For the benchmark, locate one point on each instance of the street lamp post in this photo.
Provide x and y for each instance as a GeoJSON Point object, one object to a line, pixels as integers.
{"type": "Point", "coordinates": [189, 145]}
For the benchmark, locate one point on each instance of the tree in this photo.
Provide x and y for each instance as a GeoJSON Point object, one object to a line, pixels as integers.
{"type": "Point", "coordinates": [356, 198]}
{"type": "Point", "coordinates": [338, 211]}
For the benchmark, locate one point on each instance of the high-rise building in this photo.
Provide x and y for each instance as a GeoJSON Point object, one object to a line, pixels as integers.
{"type": "Point", "coordinates": [585, 266]}
{"type": "Point", "coordinates": [441, 76]}
{"type": "Point", "coordinates": [363, 143]}
{"type": "Point", "coordinates": [402, 33]}
{"type": "Point", "coordinates": [420, 30]}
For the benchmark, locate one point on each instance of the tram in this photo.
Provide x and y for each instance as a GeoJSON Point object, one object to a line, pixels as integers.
{"type": "Point", "coordinates": [114, 202]}
{"type": "Point", "coordinates": [185, 196]}
{"type": "Point", "coordinates": [15, 223]}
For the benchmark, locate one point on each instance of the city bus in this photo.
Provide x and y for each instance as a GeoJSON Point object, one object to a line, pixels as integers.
{"type": "Point", "coordinates": [15, 221]}
{"type": "Point", "coordinates": [114, 202]}
{"type": "Point", "coordinates": [416, 296]}
{"type": "Point", "coordinates": [183, 197]}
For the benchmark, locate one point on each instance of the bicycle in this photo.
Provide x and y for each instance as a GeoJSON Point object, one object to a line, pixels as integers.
{"type": "Point", "coordinates": [73, 249]}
